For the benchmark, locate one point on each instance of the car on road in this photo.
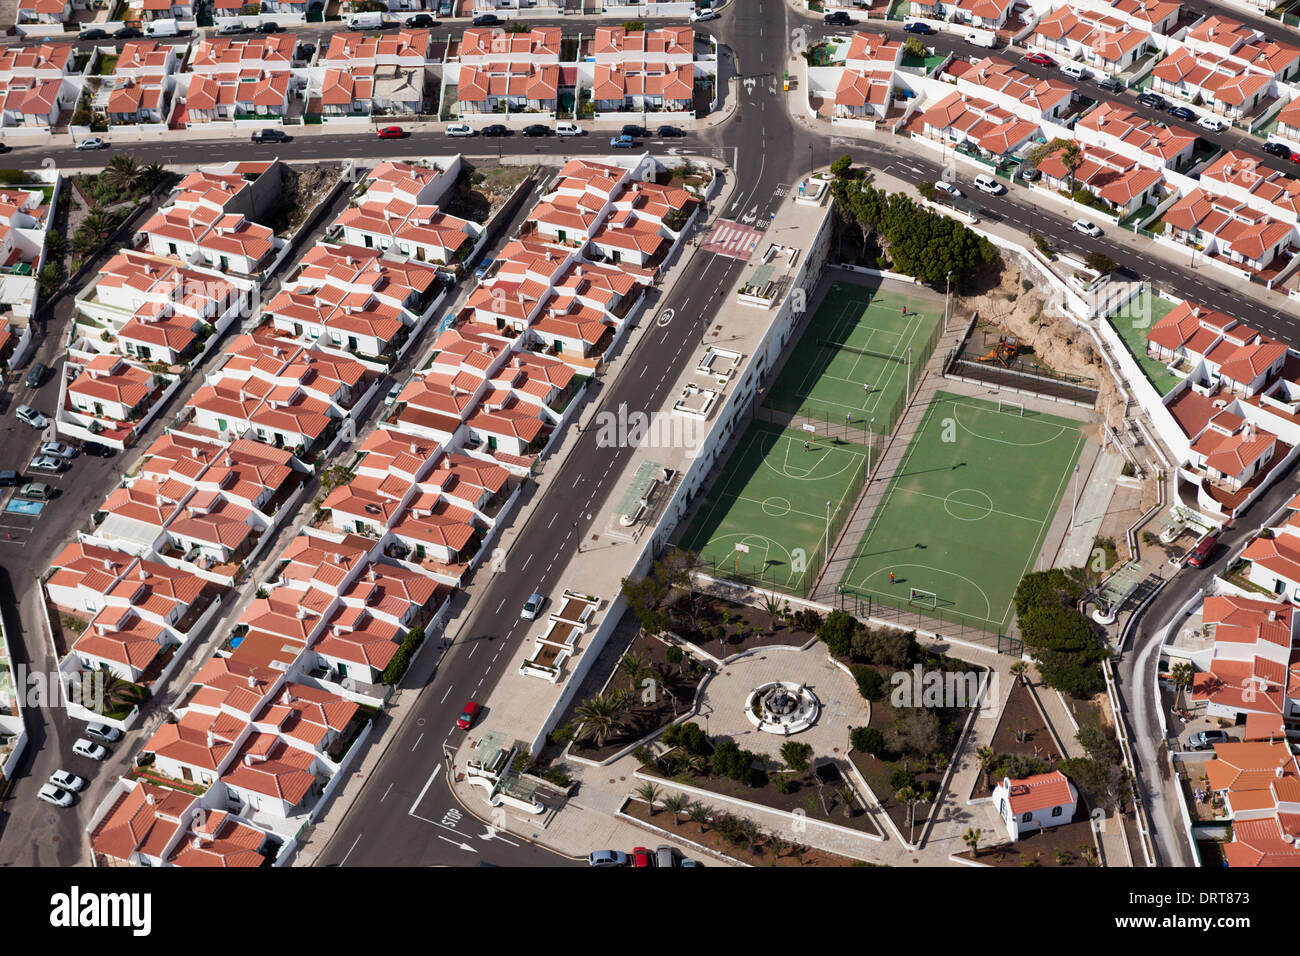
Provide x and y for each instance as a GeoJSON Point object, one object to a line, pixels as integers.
{"type": "Point", "coordinates": [640, 857]}
{"type": "Point", "coordinates": [667, 131]}
{"type": "Point", "coordinates": [9, 478]}
{"type": "Point", "coordinates": [390, 132]}
{"type": "Point", "coordinates": [1277, 149]}
{"type": "Point", "coordinates": [97, 450]}
{"type": "Point", "coordinates": [93, 142]}
{"type": "Point", "coordinates": [1294, 158]}
{"type": "Point", "coordinates": [944, 186]}
{"type": "Point", "coordinates": [128, 33]}
{"type": "Point", "coordinates": [94, 33]}
{"type": "Point", "coordinates": [269, 27]}
{"type": "Point", "coordinates": [470, 714]}
{"type": "Point", "coordinates": [919, 28]}
{"type": "Point", "coordinates": [1153, 100]}
{"type": "Point", "coordinates": [421, 21]}
{"type": "Point", "coordinates": [665, 857]}
{"type": "Point", "coordinates": [30, 416]}
{"type": "Point", "coordinates": [1212, 123]}
{"type": "Point", "coordinates": [622, 142]}
{"type": "Point", "coordinates": [4, 148]}
{"type": "Point", "coordinates": [606, 858]}
{"type": "Point", "coordinates": [55, 795]}
{"type": "Point", "coordinates": [86, 748]}
{"type": "Point", "coordinates": [839, 19]}
{"type": "Point", "coordinates": [393, 393]}
{"type": "Point", "coordinates": [1039, 59]}
{"type": "Point", "coordinates": [103, 732]}
{"type": "Point", "coordinates": [536, 129]}
{"type": "Point", "coordinates": [1205, 739]}
{"type": "Point", "coordinates": [1086, 227]}
{"type": "Point", "coordinates": [230, 29]}
{"type": "Point", "coordinates": [486, 20]}
{"type": "Point", "coordinates": [632, 129]}
{"type": "Point", "coordinates": [57, 448]}
{"type": "Point", "coordinates": [67, 781]}
{"type": "Point", "coordinates": [48, 463]}
{"type": "Point", "coordinates": [565, 128]}
{"type": "Point", "coordinates": [460, 129]}
{"type": "Point", "coordinates": [36, 491]}
{"type": "Point", "coordinates": [987, 184]}
{"type": "Point", "coordinates": [1111, 85]}
{"type": "Point", "coordinates": [532, 606]}
{"type": "Point", "coordinates": [687, 861]}
{"type": "Point", "coordinates": [495, 129]}
{"type": "Point", "coordinates": [36, 375]}
{"type": "Point", "coordinates": [270, 136]}
{"type": "Point", "coordinates": [1182, 113]}
{"type": "Point", "coordinates": [703, 16]}
{"type": "Point", "coordinates": [1202, 553]}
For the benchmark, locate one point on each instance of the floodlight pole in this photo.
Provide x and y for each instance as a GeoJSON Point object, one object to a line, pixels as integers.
{"type": "Point", "coordinates": [1074, 507]}
{"type": "Point", "coordinates": [947, 289]}
{"type": "Point", "coordinates": [828, 533]}
{"type": "Point", "coordinates": [871, 427]}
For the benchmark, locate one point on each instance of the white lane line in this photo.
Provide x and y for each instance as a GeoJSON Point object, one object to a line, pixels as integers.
{"type": "Point", "coordinates": [427, 784]}
{"type": "Point", "coordinates": [526, 560]}
{"type": "Point", "coordinates": [417, 740]}
{"type": "Point", "coordinates": [350, 849]}
{"type": "Point", "coordinates": [500, 606]}
{"type": "Point", "coordinates": [386, 792]}
{"type": "Point", "coordinates": [471, 651]}
{"type": "Point", "coordinates": [444, 696]}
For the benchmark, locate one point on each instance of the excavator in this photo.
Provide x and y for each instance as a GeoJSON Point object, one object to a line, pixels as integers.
{"type": "Point", "coordinates": [1004, 350]}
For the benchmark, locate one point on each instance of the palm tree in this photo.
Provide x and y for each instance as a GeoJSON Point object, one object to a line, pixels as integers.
{"type": "Point", "coordinates": [972, 838]}
{"type": "Point", "coordinates": [650, 794]}
{"type": "Point", "coordinates": [985, 756]}
{"type": "Point", "coordinates": [699, 813]}
{"type": "Point", "coordinates": [602, 717]}
{"type": "Point", "coordinates": [1072, 159]}
{"type": "Point", "coordinates": [772, 607]}
{"type": "Point", "coordinates": [123, 172]}
{"type": "Point", "coordinates": [676, 804]}
{"type": "Point", "coordinates": [638, 670]}
{"type": "Point", "coordinates": [909, 796]}
{"type": "Point", "coordinates": [153, 174]}
{"type": "Point", "coordinates": [1181, 674]}
{"type": "Point", "coordinates": [1020, 671]}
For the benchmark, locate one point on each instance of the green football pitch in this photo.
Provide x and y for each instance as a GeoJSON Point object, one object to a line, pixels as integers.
{"type": "Point", "coordinates": [836, 371]}
{"type": "Point", "coordinates": [771, 498]}
{"type": "Point", "coordinates": [967, 513]}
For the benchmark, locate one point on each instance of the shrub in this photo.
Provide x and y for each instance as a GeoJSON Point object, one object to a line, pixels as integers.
{"type": "Point", "coordinates": [870, 684]}
{"type": "Point", "coordinates": [402, 659]}
{"type": "Point", "coordinates": [674, 655]}
{"type": "Point", "coordinates": [841, 165]}
{"type": "Point", "coordinates": [867, 740]}
{"type": "Point", "coordinates": [900, 778]}
{"type": "Point", "coordinates": [796, 755]}
{"type": "Point", "coordinates": [732, 762]}
{"type": "Point", "coordinates": [837, 632]}
{"type": "Point", "coordinates": [783, 784]}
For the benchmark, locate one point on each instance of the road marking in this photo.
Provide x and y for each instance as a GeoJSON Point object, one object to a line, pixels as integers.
{"type": "Point", "coordinates": [386, 792]}
{"type": "Point", "coordinates": [493, 834]}
{"type": "Point", "coordinates": [503, 600]}
{"type": "Point", "coordinates": [350, 849]}
{"type": "Point", "coordinates": [526, 560]}
{"type": "Point", "coordinates": [471, 653]}
{"type": "Point", "coordinates": [444, 696]}
{"type": "Point", "coordinates": [548, 524]}
{"type": "Point", "coordinates": [417, 740]}
{"type": "Point", "coordinates": [461, 844]}
{"type": "Point", "coordinates": [427, 784]}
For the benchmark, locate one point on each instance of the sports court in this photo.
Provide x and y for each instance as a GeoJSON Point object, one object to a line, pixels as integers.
{"type": "Point", "coordinates": [771, 498]}
{"type": "Point", "coordinates": [851, 359]}
{"type": "Point", "coordinates": [966, 514]}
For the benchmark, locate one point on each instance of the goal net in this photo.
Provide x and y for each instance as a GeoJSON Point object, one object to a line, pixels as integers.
{"type": "Point", "coordinates": [922, 598]}
{"type": "Point", "coordinates": [1011, 407]}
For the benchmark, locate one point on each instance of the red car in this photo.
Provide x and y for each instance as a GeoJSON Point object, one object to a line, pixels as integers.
{"type": "Point", "coordinates": [391, 132]}
{"type": "Point", "coordinates": [1041, 59]}
{"type": "Point", "coordinates": [1294, 157]}
{"type": "Point", "coordinates": [466, 720]}
{"type": "Point", "coordinates": [1201, 556]}
{"type": "Point", "coordinates": [640, 856]}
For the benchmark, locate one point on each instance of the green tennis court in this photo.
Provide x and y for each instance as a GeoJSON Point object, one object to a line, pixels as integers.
{"type": "Point", "coordinates": [771, 498]}
{"type": "Point", "coordinates": [851, 362]}
{"type": "Point", "coordinates": [966, 515]}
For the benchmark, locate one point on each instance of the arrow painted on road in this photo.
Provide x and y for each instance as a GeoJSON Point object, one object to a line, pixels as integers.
{"type": "Point", "coordinates": [491, 834]}
{"type": "Point", "coordinates": [463, 846]}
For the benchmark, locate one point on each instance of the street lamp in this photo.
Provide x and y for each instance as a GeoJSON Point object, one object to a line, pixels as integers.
{"type": "Point", "coordinates": [946, 289]}
{"type": "Point", "coordinates": [871, 427]}
{"type": "Point", "coordinates": [828, 532]}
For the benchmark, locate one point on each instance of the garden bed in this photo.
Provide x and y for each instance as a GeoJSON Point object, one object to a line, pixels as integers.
{"type": "Point", "coordinates": [1069, 845]}
{"type": "Point", "coordinates": [743, 627]}
{"type": "Point", "coordinates": [1022, 732]}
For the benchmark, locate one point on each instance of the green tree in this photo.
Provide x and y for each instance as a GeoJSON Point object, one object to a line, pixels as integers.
{"type": "Point", "coordinates": [601, 717]}
{"type": "Point", "coordinates": [676, 804]}
{"type": "Point", "coordinates": [870, 684]}
{"type": "Point", "coordinates": [796, 755]}
{"type": "Point", "coordinates": [914, 48]}
{"type": "Point", "coordinates": [1072, 158]}
{"type": "Point", "coordinates": [1099, 262]}
{"type": "Point", "coordinates": [645, 600]}
{"type": "Point", "coordinates": [867, 740]}
{"type": "Point", "coordinates": [840, 166]}
{"type": "Point", "coordinates": [650, 794]}
{"type": "Point", "coordinates": [972, 838]}
{"type": "Point", "coordinates": [837, 632]}
{"type": "Point", "coordinates": [909, 797]}
{"type": "Point", "coordinates": [122, 173]}
{"type": "Point", "coordinates": [773, 607]}
{"type": "Point", "coordinates": [1182, 674]}
{"type": "Point", "coordinates": [915, 730]}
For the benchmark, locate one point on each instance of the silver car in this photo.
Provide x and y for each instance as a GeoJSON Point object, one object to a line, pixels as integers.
{"type": "Point", "coordinates": [47, 463]}
{"type": "Point", "coordinates": [65, 780]}
{"type": "Point", "coordinates": [532, 606]}
{"type": "Point", "coordinates": [31, 416]}
{"type": "Point", "coordinates": [52, 794]}
{"type": "Point", "coordinates": [84, 748]}
{"type": "Point", "coordinates": [57, 448]}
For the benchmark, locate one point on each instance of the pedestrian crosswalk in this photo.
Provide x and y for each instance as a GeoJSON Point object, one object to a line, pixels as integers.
{"type": "Point", "coordinates": [732, 239]}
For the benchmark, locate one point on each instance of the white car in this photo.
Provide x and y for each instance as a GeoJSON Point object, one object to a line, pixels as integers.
{"type": "Point", "coordinates": [700, 16]}
{"type": "Point", "coordinates": [93, 143]}
{"type": "Point", "coordinates": [1086, 227]}
{"type": "Point", "coordinates": [57, 448]}
{"type": "Point", "coordinates": [568, 129]}
{"type": "Point", "coordinates": [31, 416]}
{"type": "Point", "coordinates": [393, 393]}
{"type": "Point", "coordinates": [67, 781]}
{"type": "Point", "coordinates": [460, 129]}
{"type": "Point", "coordinates": [84, 748]}
{"type": "Point", "coordinates": [52, 794]}
{"type": "Point", "coordinates": [103, 732]}
{"type": "Point", "coordinates": [1212, 123]}
{"type": "Point", "coordinates": [532, 606]}
{"type": "Point", "coordinates": [944, 186]}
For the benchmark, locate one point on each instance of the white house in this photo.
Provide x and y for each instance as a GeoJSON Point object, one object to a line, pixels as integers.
{"type": "Point", "coordinates": [1035, 803]}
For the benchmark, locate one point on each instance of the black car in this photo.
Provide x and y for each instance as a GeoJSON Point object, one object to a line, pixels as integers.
{"type": "Point", "coordinates": [669, 131]}
{"type": "Point", "coordinates": [94, 33]}
{"type": "Point", "coordinates": [270, 27]}
{"type": "Point", "coordinates": [496, 129]}
{"type": "Point", "coordinates": [9, 479]}
{"type": "Point", "coordinates": [537, 129]}
{"type": "Point", "coordinates": [127, 33]}
{"type": "Point", "coordinates": [1277, 149]}
{"type": "Point", "coordinates": [3, 148]}
{"type": "Point", "coordinates": [487, 20]}
{"type": "Point", "coordinates": [1182, 113]}
{"type": "Point", "coordinates": [1111, 84]}
{"type": "Point", "coordinates": [96, 449]}
{"type": "Point", "coordinates": [1153, 100]}
{"type": "Point", "coordinates": [924, 29]}
{"type": "Point", "coordinates": [306, 51]}
{"type": "Point", "coordinates": [631, 129]}
{"type": "Point", "coordinates": [839, 18]}
{"type": "Point", "coordinates": [421, 20]}
{"type": "Point", "coordinates": [270, 136]}
{"type": "Point", "coordinates": [36, 375]}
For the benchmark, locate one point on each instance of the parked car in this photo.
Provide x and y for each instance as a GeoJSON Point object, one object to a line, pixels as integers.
{"type": "Point", "coordinates": [128, 33]}
{"type": "Point", "coordinates": [495, 129]}
{"type": "Point", "coordinates": [565, 128]}
{"type": "Point", "coordinates": [393, 393]}
{"type": "Point", "coordinates": [632, 129]}
{"type": "Point", "coordinates": [919, 28]}
{"type": "Point", "coordinates": [270, 136]}
{"type": "Point", "coordinates": [702, 16]}
{"type": "Point", "coordinates": [536, 129]}
{"type": "Point", "coordinates": [84, 748]}
{"type": "Point", "coordinates": [57, 449]}
{"type": "Point", "coordinates": [36, 375]}
{"type": "Point", "coordinates": [1039, 59]}
{"type": "Point", "coordinates": [1182, 113]}
{"type": "Point", "coordinates": [96, 449]}
{"type": "Point", "coordinates": [421, 21]}
{"type": "Point", "coordinates": [1029, 173]}
{"type": "Point", "coordinates": [1205, 739]}
{"type": "Point", "coordinates": [622, 142]}
{"type": "Point", "coordinates": [67, 781]}
{"type": "Point", "coordinates": [669, 131]}
{"type": "Point", "coordinates": [306, 51]}
{"type": "Point", "coordinates": [230, 29]}
{"type": "Point", "coordinates": [47, 463]}
{"type": "Point", "coordinates": [1212, 123]}
{"type": "Point", "coordinates": [1294, 157]}
{"type": "Point", "coordinates": [1112, 85]}
{"type": "Point", "coordinates": [9, 478]}
{"type": "Point", "coordinates": [944, 186]}
{"type": "Point", "coordinates": [390, 132]}
{"type": "Point", "coordinates": [987, 184]}
{"type": "Point", "coordinates": [1086, 227]}
{"type": "Point", "coordinates": [1154, 100]}
{"type": "Point", "coordinates": [839, 18]}
{"type": "Point", "coordinates": [93, 142]}
{"type": "Point", "coordinates": [665, 857]}
{"type": "Point", "coordinates": [470, 714]}
{"type": "Point", "coordinates": [460, 129]}
{"type": "Point", "coordinates": [103, 732]}
{"type": "Point", "coordinates": [30, 416]}
{"type": "Point", "coordinates": [94, 33]}
{"type": "Point", "coordinates": [36, 491]}
{"type": "Point", "coordinates": [1277, 149]}
{"type": "Point", "coordinates": [606, 858]}
{"type": "Point", "coordinates": [640, 857]}
{"type": "Point", "coordinates": [55, 795]}
{"type": "Point", "coordinates": [532, 606]}
{"type": "Point", "coordinates": [269, 27]}
{"type": "Point", "coordinates": [1200, 556]}
{"type": "Point", "coordinates": [4, 148]}
{"type": "Point", "coordinates": [486, 20]}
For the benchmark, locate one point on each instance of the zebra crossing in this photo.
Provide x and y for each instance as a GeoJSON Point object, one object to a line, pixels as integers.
{"type": "Point", "coordinates": [733, 239]}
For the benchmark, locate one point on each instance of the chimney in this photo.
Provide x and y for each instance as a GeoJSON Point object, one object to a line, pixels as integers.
{"type": "Point", "coordinates": [108, 565]}
{"type": "Point", "coordinates": [211, 739]}
{"type": "Point", "coordinates": [149, 798]}
{"type": "Point", "coordinates": [252, 681]}
{"type": "Point", "coordinates": [302, 614]}
{"type": "Point", "coordinates": [142, 573]}
{"type": "Point", "coordinates": [248, 760]}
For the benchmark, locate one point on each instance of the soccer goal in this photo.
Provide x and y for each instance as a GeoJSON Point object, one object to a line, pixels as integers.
{"type": "Point", "coordinates": [922, 598]}
{"type": "Point", "coordinates": [1011, 407]}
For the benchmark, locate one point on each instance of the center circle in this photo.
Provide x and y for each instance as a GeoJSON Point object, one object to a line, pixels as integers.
{"type": "Point", "coordinates": [985, 508]}
{"type": "Point", "coordinates": [775, 507]}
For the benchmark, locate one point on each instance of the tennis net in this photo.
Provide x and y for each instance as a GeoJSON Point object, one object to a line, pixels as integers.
{"type": "Point", "coordinates": [826, 343]}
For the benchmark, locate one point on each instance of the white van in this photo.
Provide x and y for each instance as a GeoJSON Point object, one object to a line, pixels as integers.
{"type": "Point", "coordinates": [982, 38]}
{"type": "Point", "coordinates": [987, 184]}
{"type": "Point", "coordinates": [163, 28]}
{"type": "Point", "coordinates": [565, 128]}
{"type": "Point", "coordinates": [370, 20]}
{"type": "Point", "coordinates": [1075, 71]}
